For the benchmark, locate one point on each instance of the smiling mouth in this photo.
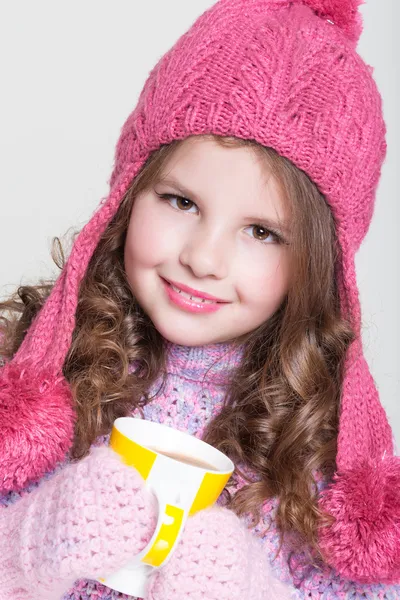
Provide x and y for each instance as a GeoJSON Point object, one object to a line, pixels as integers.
{"type": "Point", "coordinates": [189, 302]}
{"type": "Point", "coordinates": [193, 297]}
{"type": "Point", "coordinates": [189, 293]}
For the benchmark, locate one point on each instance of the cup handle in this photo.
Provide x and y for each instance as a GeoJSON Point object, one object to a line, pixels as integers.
{"type": "Point", "coordinates": [170, 525]}
{"type": "Point", "coordinates": [134, 578]}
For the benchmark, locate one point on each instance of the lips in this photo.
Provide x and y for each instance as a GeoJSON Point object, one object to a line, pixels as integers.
{"type": "Point", "coordinates": [196, 293]}
{"type": "Point", "coordinates": [188, 302]}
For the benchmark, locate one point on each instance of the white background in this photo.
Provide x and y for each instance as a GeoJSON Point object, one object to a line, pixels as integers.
{"type": "Point", "coordinates": [71, 73]}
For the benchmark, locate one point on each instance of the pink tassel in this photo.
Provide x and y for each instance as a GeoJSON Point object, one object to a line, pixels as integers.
{"type": "Point", "coordinates": [364, 543]}
{"type": "Point", "coordinates": [36, 423]}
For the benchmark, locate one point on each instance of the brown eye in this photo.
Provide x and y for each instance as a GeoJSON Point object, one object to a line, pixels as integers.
{"type": "Point", "coordinates": [177, 202]}
{"type": "Point", "coordinates": [261, 233]}
{"type": "Point", "coordinates": [183, 203]}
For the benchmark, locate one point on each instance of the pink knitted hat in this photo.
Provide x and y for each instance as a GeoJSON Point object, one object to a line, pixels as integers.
{"type": "Point", "coordinates": [286, 74]}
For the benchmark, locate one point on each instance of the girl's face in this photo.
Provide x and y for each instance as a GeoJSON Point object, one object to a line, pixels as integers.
{"type": "Point", "coordinates": [217, 239]}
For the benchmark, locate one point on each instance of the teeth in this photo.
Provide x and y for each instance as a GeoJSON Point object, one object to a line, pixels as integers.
{"type": "Point", "coordinates": [194, 298]}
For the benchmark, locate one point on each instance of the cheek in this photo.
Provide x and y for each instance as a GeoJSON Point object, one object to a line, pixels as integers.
{"type": "Point", "coordinates": [265, 279]}
{"type": "Point", "coordinates": [148, 239]}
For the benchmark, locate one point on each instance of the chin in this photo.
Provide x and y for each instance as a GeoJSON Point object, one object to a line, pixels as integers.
{"type": "Point", "coordinates": [185, 337]}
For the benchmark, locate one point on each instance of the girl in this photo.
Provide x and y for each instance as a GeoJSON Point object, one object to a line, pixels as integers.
{"type": "Point", "coordinates": [214, 290]}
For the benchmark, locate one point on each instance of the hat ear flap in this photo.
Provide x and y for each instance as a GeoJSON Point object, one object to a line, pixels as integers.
{"type": "Point", "coordinates": [37, 416]}
{"type": "Point", "coordinates": [364, 496]}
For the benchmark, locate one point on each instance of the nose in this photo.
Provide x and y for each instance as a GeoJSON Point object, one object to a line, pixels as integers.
{"type": "Point", "coordinates": [206, 253]}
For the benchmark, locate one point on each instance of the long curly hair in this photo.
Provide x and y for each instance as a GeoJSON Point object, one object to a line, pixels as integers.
{"type": "Point", "coordinates": [281, 411]}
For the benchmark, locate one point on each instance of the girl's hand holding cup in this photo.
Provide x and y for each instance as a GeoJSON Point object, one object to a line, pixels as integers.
{"type": "Point", "coordinates": [91, 517]}
{"type": "Point", "coordinates": [125, 523]}
{"type": "Point", "coordinates": [196, 549]}
{"type": "Point", "coordinates": [217, 558]}
{"type": "Point", "coordinates": [185, 474]}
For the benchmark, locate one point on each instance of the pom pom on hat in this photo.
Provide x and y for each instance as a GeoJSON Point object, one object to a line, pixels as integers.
{"type": "Point", "coordinates": [343, 13]}
{"type": "Point", "coordinates": [36, 423]}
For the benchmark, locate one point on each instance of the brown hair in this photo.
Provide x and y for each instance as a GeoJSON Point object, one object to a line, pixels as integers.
{"type": "Point", "coordinates": [280, 416]}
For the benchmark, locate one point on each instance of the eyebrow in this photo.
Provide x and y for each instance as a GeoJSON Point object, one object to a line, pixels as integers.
{"type": "Point", "coordinates": [184, 191]}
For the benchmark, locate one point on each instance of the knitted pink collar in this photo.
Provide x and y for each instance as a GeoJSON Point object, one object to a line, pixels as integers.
{"type": "Point", "coordinates": [212, 362]}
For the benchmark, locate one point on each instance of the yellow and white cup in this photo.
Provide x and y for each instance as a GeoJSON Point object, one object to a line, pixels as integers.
{"type": "Point", "coordinates": [181, 488]}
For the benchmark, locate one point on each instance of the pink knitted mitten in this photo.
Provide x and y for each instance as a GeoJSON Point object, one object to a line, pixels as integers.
{"type": "Point", "coordinates": [217, 558]}
{"type": "Point", "coordinates": [86, 522]}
